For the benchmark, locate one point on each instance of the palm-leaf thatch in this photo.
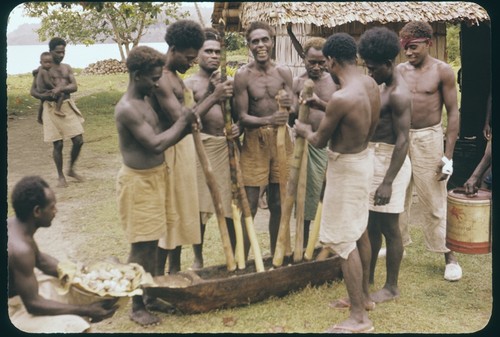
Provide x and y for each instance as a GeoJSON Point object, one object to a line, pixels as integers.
{"type": "Point", "coordinates": [332, 14]}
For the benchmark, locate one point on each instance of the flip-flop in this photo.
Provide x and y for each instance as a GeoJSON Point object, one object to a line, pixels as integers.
{"type": "Point", "coordinates": [346, 329]}
{"type": "Point", "coordinates": [342, 304]}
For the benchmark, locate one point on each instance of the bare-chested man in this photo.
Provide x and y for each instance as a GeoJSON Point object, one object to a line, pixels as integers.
{"type": "Point", "coordinates": [67, 122]}
{"type": "Point", "coordinates": [214, 140]}
{"type": "Point", "coordinates": [324, 87]}
{"type": "Point", "coordinates": [378, 47]}
{"type": "Point", "coordinates": [34, 304]}
{"type": "Point", "coordinates": [184, 39]}
{"type": "Point", "coordinates": [350, 119]}
{"type": "Point", "coordinates": [256, 86]}
{"type": "Point", "coordinates": [432, 84]}
{"type": "Point", "coordinates": [142, 180]}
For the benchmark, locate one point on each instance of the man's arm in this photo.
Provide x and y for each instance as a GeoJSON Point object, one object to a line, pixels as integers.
{"type": "Point", "coordinates": [144, 133]}
{"type": "Point", "coordinates": [69, 86]}
{"type": "Point", "coordinates": [401, 118]}
{"type": "Point", "coordinates": [449, 92]}
{"type": "Point", "coordinates": [34, 90]}
{"type": "Point", "coordinates": [472, 184]}
{"type": "Point", "coordinates": [327, 126]}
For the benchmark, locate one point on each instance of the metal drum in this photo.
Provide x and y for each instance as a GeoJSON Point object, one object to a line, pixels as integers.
{"type": "Point", "coordinates": [468, 227]}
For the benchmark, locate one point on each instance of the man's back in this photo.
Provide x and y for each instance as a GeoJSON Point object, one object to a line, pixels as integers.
{"type": "Point", "coordinates": [357, 104]}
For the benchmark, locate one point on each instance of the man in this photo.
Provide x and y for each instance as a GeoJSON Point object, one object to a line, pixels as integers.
{"type": "Point", "coordinates": [432, 84]}
{"type": "Point", "coordinates": [378, 47]}
{"type": "Point", "coordinates": [350, 119]}
{"type": "Point", "coordinates": [34, 305]}
{"type": "Point", "coordinates": [256, 86]}
{"type": "Point", "coordinates": [184, 39]}
{"type": "Point", "coordinates": [482, 175]}
{"type": "Point", "coordinates": [142, 181]}
{"type": "Point", "coordinates": [214, 140]}
{"type": "Point", "coordinates": [56, 127]}
{"type": "Point", "coordinates": [324, 87]}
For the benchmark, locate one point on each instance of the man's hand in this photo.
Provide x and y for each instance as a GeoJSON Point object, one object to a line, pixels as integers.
{"type": "Point", "coordinates": [471, 186]}
{"type": "Point", "coordinates": [314, 101]}
{"type": "Point", "coordinates": [102, 309]}
{"type": "Point", "coordinates": [224, 90]}
{"type": "Point", "coordinates": [235, 131]}
{"type": "Point", "coordinates": [382, 194]}
{"type": "Point", "coordinates": [302, 129]}
{"type": "Point", "coordinates": [279, 118]}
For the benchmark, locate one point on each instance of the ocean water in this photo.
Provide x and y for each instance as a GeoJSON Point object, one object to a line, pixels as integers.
{"type": "Point", "coordinates": [23, 59]}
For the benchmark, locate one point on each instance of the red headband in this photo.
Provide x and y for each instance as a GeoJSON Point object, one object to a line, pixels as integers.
{"type": "Point", "coordinates": [408, 40]}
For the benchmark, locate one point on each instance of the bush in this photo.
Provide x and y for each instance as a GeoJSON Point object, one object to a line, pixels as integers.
{"type": "Point", "coordinates": [234, 41]}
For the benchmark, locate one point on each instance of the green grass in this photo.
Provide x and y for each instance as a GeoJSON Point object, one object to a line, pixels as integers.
{"type": "Point", "coordinates": [427, 304]}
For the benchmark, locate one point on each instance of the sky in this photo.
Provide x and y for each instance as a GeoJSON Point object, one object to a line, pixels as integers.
{"type": "Point", "coordinates": [16, 17]}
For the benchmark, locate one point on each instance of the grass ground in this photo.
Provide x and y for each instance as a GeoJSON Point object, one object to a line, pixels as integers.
{"type": "Point", "coordinates": [86, 229]}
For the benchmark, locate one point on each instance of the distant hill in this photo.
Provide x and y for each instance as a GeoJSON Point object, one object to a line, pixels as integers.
{"type": "Point", "coordinates": [25, 34]}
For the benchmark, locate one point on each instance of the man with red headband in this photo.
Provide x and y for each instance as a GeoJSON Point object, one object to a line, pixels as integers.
{"type": "Point", "coordinates": [432, 84]}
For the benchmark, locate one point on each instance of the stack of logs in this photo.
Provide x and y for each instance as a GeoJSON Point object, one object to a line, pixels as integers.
{"type": "Point", "coordinates": [105, 67]}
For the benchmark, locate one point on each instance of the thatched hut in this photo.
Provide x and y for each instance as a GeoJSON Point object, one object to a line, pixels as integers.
{"type": "Point", "coordinates": [324, 18]}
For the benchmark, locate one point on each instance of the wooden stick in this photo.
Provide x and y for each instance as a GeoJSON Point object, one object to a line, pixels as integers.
{"type": "Point", "coordinates": [291, 190]}
{"type": "Point", "coordinates": [239, 195]}
{"type": "Point", "coordinates": [212, 185]}
{"type": "Point", "coordinates": [313, 237]}
{"type": "Point", "coordinates": [298, 251]}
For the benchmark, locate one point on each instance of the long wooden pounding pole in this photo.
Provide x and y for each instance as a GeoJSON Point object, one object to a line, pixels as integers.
{"type": "Point", "coordinates": [212, 185]}
{"type": "Point", "coordinates": [239, 196]}
{"type": "Point", "coordinates": [291, 189]}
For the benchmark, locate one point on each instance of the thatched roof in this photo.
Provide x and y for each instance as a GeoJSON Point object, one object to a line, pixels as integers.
{"type": "Point", "coordinates": [332, 14]}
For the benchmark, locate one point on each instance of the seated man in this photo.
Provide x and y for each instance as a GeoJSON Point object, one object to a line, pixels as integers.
{"type": "Point", "coordinates": [33, 304]}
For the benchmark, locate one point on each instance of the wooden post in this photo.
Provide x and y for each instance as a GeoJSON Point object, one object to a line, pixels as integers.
{"type": "Point", "coordinates": [239, 196]}
{"type": "Point", "coordinates": [212, 185]}
{"type": "Point", "coordinates": [291, 190]}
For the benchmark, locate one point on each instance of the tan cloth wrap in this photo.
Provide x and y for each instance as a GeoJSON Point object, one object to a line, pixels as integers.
{"type": "Point", "coordinates": [29, 323]}
{"type": "Point", "coordinates": [382, 155]}
{"type": "Point", "coordinates": [141, 202]}
{"type": "Point", "coordinates": [259, 157]}
{"type": "Point", "coordinates": [345, 212]}
{"type": "Point", "coordinates": [61, 128]}
{"type": "Point", "coordinates": [183, 211]}
{"type": "Point", "coordinates": [217, 153]}
{"type": "Point", "coordinates": [426, 151]}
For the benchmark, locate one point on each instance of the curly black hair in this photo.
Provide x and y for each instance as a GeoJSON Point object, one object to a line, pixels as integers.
{"type": "Point", "coordinates": [342, 47]}
{"type": "Point", "coordinates": [56, 41]}
{"type": "Point", "coordinates": [184, 34]}
{"type": "Point", "coordinates": [416, 29]}
{"type": "Point", "coordinates": [144, 58]}
{"type": "Point", "coordinates": [28, 193]}
{"type": "Point", "coordinates": [259, 25]}
{"type": "Point", "coordinates": [379, 44]}
{"type": "Point", "coordinates": [211, 34]}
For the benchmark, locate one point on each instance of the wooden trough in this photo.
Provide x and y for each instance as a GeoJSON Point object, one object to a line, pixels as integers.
{"type": "Point", "coordinates": [215, 288]}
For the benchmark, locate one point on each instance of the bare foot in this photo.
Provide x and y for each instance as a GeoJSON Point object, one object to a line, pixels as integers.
{"type": "Point", "coordinates": [72, 174]}
{"type": "Point", "coordinates": [345, 303]}
{"type": "Point", "coordinates": [352, 326]}
{"type": "Point", "coordinates": [144, 317]}
{"type": "Point", "coordinates": [197, 264]}
{"type": "Point", "coordinates": [384, 295]}
{"type": "Point", "coordinates": [160, 305]}
{"type": "Point", "coordinates": [61, 182]}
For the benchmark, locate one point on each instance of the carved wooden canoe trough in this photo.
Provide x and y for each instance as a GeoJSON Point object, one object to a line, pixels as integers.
{"type": "Point", "coordinates": [214, 287]}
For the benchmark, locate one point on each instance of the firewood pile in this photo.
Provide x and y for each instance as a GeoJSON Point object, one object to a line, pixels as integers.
{"type": "Point", "coordinates": [105, 67]}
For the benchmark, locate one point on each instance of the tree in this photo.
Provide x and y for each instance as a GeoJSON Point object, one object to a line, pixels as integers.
{"type": "Point", "coordinates": [92, 22]}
